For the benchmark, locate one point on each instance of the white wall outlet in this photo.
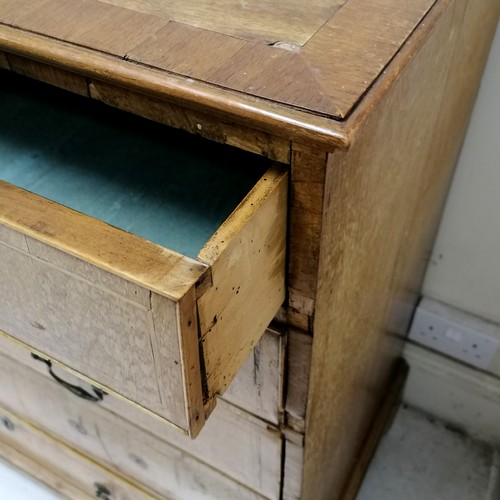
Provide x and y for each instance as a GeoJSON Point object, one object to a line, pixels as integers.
{"type": "Point", "coordinates": [455, 333]}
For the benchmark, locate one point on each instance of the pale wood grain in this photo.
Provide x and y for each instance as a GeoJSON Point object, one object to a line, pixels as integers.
{"type": "Point", "coordinates": [153, 456]}
{"type": "Point", "coordinates": [289, 21]}
{"type": "Point", "coordinates": [258, 385]}
{"type": "Point", "coordinates": [257, 388]}
{"type": "Point", "coordinates": [58, 465]}
{"type": "Point", "coordinates": [49, 74]}
{"type": "Point", "coordinates": [374, 251]}
{"type": "Point", "coordinates": [95, 331]}
{"type": "Point", "coordinates": [298, 368]}
{"type": "Point", "coordinates": [292, 471]}
{"type": "Point", "coordinates": [203, 124]}
{"type": "Point", "coordinates": [247, 258]}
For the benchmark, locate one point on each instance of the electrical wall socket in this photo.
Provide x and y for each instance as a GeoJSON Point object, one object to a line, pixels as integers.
{"type": "Point", "coordinates": [455, 333]}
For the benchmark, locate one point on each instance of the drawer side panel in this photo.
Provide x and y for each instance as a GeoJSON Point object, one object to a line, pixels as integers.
{"type": "Point", "coordinates": [248, 272]}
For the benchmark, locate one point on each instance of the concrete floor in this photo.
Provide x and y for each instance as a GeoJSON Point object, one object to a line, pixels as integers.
{"type": "Point", "coordinates": [419, 458]}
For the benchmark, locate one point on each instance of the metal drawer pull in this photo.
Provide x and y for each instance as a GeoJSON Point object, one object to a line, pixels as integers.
{"type": "Point", "coordinates": [74, 389]}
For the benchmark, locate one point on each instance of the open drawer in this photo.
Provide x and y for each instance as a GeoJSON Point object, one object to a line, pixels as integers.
{"type": "Point", "coordinates": [162, 309]}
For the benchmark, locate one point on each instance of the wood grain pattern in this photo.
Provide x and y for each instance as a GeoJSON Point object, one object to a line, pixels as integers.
{"type": "Point", "coordinates": [152, 266]}
{"type": "Point", "coordinates": [203, 124]}
{"type": "Point", "coordinates": [290, 21]}
{"type": "Point", "coordinates": [337, 65]}
{"type": "Point", "coordinates": [308, 169]}
{"type": "Point", "coordinates": [307, 78]}
{"type": "Point", "coordinates": [298, 367]}
{"type": "Point", "coordinates": [97, 332]}
{"type": "Point", "coordinates": [88, 23]}
{"type": "Point", "coordinates": [48, 74]}
{"type": "Point", "coordinates": [193, 378]}
{"type": "Point", "coordinates": [292, 471]}
{"type": "Point", "coordinates": [258, 386]}
{"type": "Point", "coordinates": [364, 264]}
{"type": "Point", "coordinates": [59, 466]}
{"type": "Point", "coordinates": [243, 109]}
{"type": "Point", "coordinates": [247, 258]}
{"type": "Point", "coordinates": [166, 462]}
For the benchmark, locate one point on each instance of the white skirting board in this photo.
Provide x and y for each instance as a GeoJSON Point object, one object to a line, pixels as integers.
{"type": "Point", "coordinates": [461, 395]}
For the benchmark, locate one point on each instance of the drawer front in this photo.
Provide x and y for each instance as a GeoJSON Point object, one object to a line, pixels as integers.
{"type": "Point", "coordinates": [158, 328]}
{"type": "Point", "coordinates": [66, 471]}
{"type": "Point", "coordinates": [140, 445]}
{"type": "Point", "coordinates": [102, 326]}
{"type": "Point", "coordinates": [257, 388]}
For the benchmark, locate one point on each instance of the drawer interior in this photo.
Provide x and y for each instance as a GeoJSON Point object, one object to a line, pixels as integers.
{"type": "Point", "coordinates": [163, 185]}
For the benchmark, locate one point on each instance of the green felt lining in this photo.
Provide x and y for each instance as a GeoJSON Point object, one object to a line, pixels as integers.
{"type": "Point", "coordinates": [164, 185]}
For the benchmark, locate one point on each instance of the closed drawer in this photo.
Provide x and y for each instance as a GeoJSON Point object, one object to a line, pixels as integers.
{"type": "Point", "coordinates": [140, 447]}
{"type": "Point", "coordinates": [257, 388]}
{"type": "Point", "coordinates": [70, 474]}
{"type": "Point", "coordinates": [164, 311]}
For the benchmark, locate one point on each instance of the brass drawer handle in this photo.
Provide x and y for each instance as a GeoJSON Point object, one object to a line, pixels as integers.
{"type": "Point", "coordinates": [74, 389]}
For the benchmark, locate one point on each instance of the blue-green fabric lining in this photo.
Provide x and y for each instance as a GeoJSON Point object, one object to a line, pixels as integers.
{"type": "Point", "coordinates": [165, 185]}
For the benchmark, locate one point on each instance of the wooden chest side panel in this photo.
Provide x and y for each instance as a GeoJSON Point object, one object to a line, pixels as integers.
{"type": "Point", "coordinates": [378, 230]}
{"type": "Point", "coordinates": [91, 321]}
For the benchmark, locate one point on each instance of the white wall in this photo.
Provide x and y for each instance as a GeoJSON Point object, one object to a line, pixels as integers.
{"type": "Point", "coordinates": [465, 265]}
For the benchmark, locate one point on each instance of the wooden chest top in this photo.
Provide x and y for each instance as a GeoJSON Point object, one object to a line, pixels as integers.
{"type": "Point", "coordinates": [292, 61]}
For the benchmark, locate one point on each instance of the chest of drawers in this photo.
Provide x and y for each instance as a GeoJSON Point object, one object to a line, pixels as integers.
{"type": "Point", "coordinates": [338, 126]}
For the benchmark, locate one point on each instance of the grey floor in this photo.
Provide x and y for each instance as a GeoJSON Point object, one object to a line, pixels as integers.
{"type": "Point", "coordinates": [419, 458]}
